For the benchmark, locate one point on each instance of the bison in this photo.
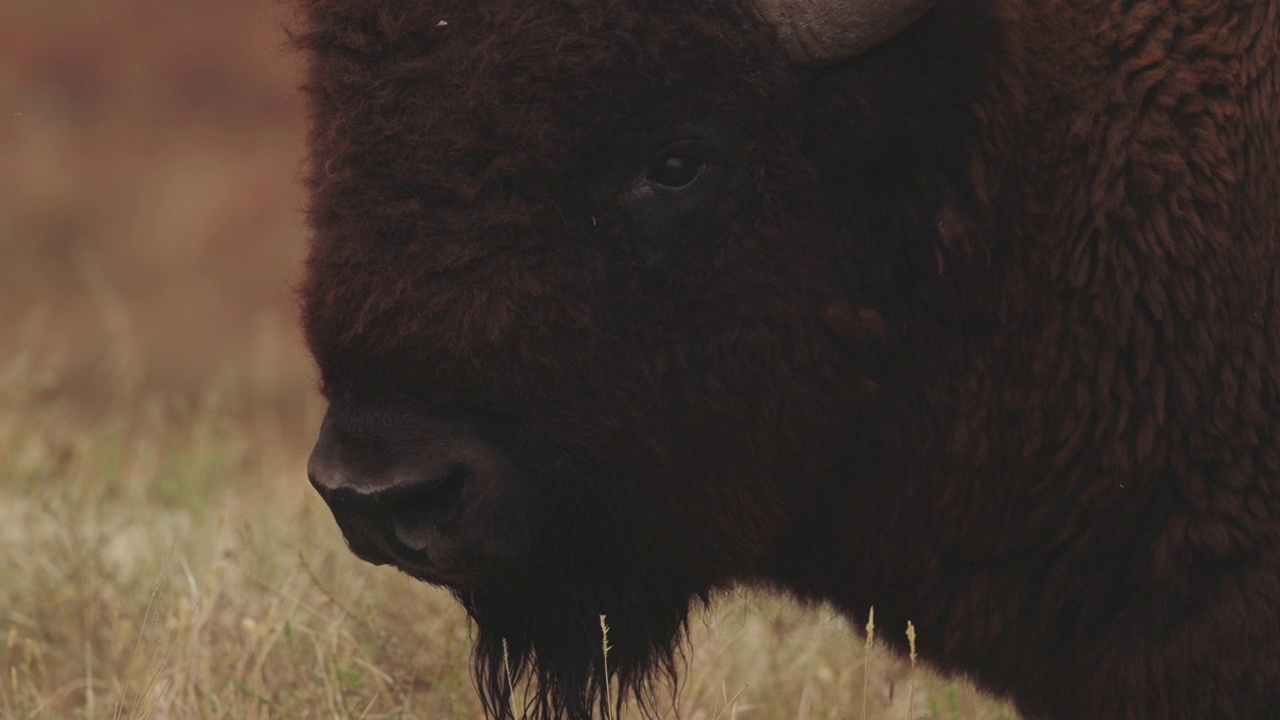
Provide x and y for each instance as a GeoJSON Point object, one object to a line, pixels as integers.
{"type": "Point", "coordinates": [965, 310]}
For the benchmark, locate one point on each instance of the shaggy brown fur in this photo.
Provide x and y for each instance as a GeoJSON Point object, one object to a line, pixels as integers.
{"type": "Point", "coordinates": [979, 328]}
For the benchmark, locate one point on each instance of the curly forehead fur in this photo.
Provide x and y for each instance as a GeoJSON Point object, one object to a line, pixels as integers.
{"type": "Point", "coordinates": [507, 101]}
{"type": "Point", "coordinates": [979, 330]}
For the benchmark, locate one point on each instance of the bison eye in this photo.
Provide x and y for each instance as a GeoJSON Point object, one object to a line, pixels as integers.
{"type": "Point", "coordinates": [676, 171]}
{"type": "Point", "coordinates": [677, 181]}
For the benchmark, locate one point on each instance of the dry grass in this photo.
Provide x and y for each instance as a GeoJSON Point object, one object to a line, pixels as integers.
{"type": "Point", "coordinates": [161, 566]}
{"type": "Point", "coordinates": [162, 555]}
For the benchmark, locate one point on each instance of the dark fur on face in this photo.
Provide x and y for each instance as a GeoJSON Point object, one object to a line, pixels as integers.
{"type": "Point", "coordinates": [977, 328]}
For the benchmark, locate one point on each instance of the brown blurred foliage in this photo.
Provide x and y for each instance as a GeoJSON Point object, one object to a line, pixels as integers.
{"type": "Point", "coordinates": [150, 206]}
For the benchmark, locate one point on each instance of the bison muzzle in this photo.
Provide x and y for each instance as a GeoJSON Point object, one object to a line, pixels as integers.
{"type": "Point", "coordinates": [426, 495]}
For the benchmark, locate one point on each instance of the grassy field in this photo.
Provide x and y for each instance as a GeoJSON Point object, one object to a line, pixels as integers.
{"type": "Point", "coordinates": [161, 554]}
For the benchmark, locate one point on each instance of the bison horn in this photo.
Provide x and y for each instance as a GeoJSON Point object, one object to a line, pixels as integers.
{"type": "Point", "coordinates": [815, 32]}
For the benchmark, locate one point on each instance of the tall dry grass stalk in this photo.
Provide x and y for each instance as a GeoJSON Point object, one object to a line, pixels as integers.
{"type": "Point", "coordinates": [146, 697]}
{"type": "Point", "coordinates": [506, 669]}
{"type": "Point", "coordinates": [866, 663]}
{"type": "Point", "coordinates": [604, 658]}
{"type": "Point", "coordinates": [911, 689]}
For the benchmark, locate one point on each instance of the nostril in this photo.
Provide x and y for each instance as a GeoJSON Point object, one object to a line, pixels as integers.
{"type": "Point", "coordinates": [420, 509]}
{"type": "Point", "coordinates": [427, 501]}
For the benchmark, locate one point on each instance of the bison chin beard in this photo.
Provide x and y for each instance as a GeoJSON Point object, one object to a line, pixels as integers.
{"type": "Point", "coordinates": [554, 642]}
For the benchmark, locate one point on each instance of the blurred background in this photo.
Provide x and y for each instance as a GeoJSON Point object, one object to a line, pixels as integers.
{"type": "Point", "coordinates": [150, 210]}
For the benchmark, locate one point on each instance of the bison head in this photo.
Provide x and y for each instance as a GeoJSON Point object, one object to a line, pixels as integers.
{"type": "Point", "coordinates": [603, 297]}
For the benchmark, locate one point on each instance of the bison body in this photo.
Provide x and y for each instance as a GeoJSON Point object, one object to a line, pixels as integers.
{"type": "Point", "coordinates": [617, 303]}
